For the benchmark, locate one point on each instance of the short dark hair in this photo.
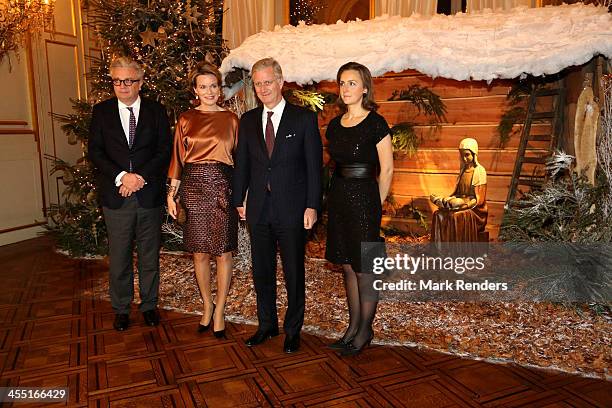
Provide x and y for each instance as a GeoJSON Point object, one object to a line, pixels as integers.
{"type": "Point", "coordinates": [205, 68]}
{"type": "Point", "coordinates": [366, 77]}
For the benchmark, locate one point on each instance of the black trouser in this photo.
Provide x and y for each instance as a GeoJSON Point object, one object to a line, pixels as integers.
{"type": "Point", "coordinates": [128, 225]}
{"type": "Point", "coordinates": [265, 235]}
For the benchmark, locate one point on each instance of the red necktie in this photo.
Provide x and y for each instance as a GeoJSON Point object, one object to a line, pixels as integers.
{"type": "Point", "coordinates": [270, 134]}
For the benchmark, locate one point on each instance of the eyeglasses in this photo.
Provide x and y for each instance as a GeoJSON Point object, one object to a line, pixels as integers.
{"type": "Point", "coordinates": [262, 84]}
{"type": "Point", "coordinates": [126, 82]}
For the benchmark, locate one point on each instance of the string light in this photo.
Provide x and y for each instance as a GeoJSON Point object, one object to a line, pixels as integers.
{"type": "Point", "coordinates": [306, 10]}
{"type": "Point", "coordinates": [20, 18]}
{"type": "Point", "coordinates": [176, 47]}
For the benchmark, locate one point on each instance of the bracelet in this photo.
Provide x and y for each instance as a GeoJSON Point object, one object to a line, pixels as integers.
{"type": "Point", "coordinates": [171, 191]}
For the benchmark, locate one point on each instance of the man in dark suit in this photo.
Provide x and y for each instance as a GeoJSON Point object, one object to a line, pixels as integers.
{"type": "Point", "coordinates": [130, 144]}
{"type": "Point", "coordinates": [278, 160]}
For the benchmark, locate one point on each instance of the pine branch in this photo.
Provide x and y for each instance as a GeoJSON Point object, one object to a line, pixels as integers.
{"type": "Point", "coordinates": [516, 99]}
{"type": "Point", "coordinates": [514, 115]}
{"type": "Point", "coordinates": [76, 125]}
{"type": "Point", "coordinates": [424, 99]}
{"type": "Point", "coordinates": [404, 138]}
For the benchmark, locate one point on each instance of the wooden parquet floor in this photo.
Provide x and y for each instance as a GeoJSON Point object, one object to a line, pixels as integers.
{"type": "Point", "coordinates": [53, 334]}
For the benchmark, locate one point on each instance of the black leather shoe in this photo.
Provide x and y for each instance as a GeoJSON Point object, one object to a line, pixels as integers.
{"type": "Point", "coordinates": [151, 317]}
{"type": "Point", "coordinates": [122, 321]}
{"type": "Point", "coordinates": [292, 343]}
{"type": "Point", "coordinates": [261, 336]}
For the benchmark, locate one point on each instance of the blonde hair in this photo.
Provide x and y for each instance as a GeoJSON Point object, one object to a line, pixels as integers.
{"type": "Point", "coordinates": [265, 63]}
{"type": "Point", "coordinates": [126, 62]}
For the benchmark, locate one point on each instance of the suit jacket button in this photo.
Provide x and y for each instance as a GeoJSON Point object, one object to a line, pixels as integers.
{"type": "Point", "coordinates": [269, 168]}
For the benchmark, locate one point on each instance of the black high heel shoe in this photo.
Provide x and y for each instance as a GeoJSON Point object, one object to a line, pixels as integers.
{"type": "Point", "coordinates": [221, 333]}
{"type": "Point", "coordinates": [351, 350]}
{"type": "Point", "coordinates": [340, 344]}
{"type": "Point", "coordinates": [204, 327]}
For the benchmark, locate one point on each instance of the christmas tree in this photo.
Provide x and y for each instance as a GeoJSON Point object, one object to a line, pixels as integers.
{"type": "Point", "coordinates": [167, 37]}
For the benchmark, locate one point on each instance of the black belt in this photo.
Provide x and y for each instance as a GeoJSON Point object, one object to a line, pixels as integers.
{"type": "Point", "coordinates": [356, 170]}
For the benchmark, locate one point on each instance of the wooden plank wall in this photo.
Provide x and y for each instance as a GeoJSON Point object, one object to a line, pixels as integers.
{"type": "Point", "coordinates": [474, 109]}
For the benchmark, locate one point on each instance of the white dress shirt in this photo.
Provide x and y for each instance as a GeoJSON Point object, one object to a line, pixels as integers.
{"type": "Point", "coordinates": [278, 113]}
{"type": "Point", "coordinates": [124, 115]}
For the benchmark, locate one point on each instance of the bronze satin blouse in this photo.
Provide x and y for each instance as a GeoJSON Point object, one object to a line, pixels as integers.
{"type": "Point", "coordinates": [201, 137]}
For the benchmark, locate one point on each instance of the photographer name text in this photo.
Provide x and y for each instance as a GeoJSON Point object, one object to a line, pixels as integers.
{"type": "Point", "coordinates": [446, 285]}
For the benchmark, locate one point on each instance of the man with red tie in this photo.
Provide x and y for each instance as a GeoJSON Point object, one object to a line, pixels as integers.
{"type": "Point", "coordinates": [130, 144]}
{"type": "Point", "coordinates": [278, 160]}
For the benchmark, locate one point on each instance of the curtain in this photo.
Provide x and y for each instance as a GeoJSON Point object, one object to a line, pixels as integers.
{"type": "Point", "coordinates": [243, 18]}
{"type": "Point", "coordinates": [405, 8]}
{"type": "Point", "coordinates": [478, 5]}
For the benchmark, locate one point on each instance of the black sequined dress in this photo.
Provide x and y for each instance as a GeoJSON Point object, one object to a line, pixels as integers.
{"type": "Point", "coordinates": [354, 208]}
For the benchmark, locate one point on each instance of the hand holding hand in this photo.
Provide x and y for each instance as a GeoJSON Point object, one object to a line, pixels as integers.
{"type": "Point", "coordinates": [124, 191]}
{"type": "Point", "coordinates": [132, 181]}
{"type": "Point", "coordinates": [310, 217]}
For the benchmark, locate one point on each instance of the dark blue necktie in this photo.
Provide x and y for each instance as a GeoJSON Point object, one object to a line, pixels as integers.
{"type": "Point", "coordinates": [132, 131]}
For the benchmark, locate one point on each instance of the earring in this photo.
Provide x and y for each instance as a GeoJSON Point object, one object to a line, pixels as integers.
{"type": "Point", "coordinates": [197, 97]}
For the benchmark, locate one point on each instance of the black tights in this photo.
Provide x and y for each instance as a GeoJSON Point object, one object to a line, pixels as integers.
{"type": "Point", "coordinates": [362, 300]}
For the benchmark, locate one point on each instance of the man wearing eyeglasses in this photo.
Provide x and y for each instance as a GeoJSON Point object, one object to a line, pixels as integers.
{"type": "Point", "coordinates": [278, 160]}
{"type": "Point", "coordinates": [130, 144]}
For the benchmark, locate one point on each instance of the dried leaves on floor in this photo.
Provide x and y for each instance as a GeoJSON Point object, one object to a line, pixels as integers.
{"type": "Point", "coordinates": [540, 334]}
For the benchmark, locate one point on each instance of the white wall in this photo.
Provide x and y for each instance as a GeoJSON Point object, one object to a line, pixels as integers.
{"type": "Point", "coordinates": [49, 71]}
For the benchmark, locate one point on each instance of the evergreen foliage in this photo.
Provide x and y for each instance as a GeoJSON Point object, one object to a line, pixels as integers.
{"type": "Point", "coordinates": [403, 136]}
{"type": "Point", "coordinates": [167, 38]}
{"type": "Point", "coordinates": [79, 227]}
{"type": "Point", "coordinates": [514, 115]}
{"type": "Point", "coordinates": [567, 209]}
{"type": "Point", "coordinates": [424, 99]}
{"type": "Point", "coordinates": [565, 225]}
{"type": "Point", "coordinates": [517, 100]}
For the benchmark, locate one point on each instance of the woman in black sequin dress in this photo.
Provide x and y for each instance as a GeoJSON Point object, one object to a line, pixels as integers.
{"type": "Point", "coordinates": [359, 143]}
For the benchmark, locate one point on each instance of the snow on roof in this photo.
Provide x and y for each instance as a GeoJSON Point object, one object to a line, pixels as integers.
{"type": "Point", "coordinates": [482, 46]}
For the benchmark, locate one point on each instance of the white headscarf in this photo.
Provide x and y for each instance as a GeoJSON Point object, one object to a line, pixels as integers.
{"type": "Point", "coordinates": [472, 145]}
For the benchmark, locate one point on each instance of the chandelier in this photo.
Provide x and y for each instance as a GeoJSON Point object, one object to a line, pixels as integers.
{"type": "Point", "coordinates": [21, 18]}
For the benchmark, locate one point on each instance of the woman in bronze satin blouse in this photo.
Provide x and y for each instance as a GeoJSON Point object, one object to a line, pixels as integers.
{"type": "Point", "coordinates": [202, 165]}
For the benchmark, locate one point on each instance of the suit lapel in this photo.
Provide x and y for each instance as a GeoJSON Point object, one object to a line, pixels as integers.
{"type": "Point", "coordinates": [143, 116]}
{"type": "Point", "coordinates": [260, 132]}
{"type": "Point", "coordinates": [283, 130]}
{"type": "Point", "coordinates": [116, 118]}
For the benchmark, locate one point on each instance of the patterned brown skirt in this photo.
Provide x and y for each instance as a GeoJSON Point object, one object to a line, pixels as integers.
{"type": "Point", "coordinates": [212, 222]}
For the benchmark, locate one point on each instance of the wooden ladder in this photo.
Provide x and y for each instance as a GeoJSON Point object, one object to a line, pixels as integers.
{"type": "Point", "coordinates": [555, 119]}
